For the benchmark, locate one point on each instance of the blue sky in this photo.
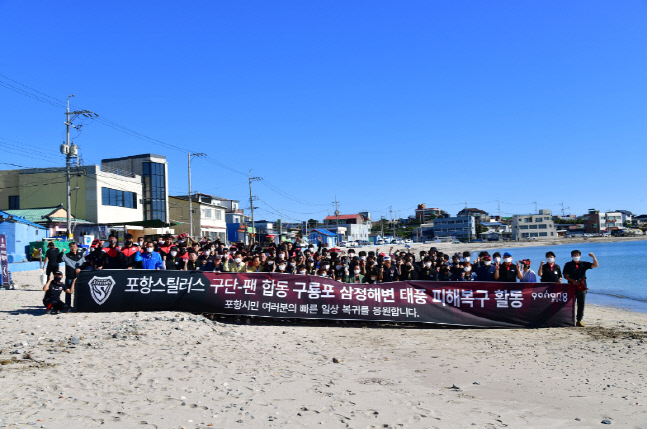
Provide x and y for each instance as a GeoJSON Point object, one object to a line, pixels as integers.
{"type": "Point", "coordinates": [381, 104]}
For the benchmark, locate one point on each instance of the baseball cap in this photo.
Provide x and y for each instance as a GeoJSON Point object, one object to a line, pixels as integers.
{"type": "Point", "coordinates": [507, 255]}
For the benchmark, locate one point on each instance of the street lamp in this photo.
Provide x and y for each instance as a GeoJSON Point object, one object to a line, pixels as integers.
{"type": "Point", "coordinates": [191, 155]}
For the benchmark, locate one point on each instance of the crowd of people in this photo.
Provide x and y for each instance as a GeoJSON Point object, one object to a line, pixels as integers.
{"type": "Point", "coordinates": [369, 267]}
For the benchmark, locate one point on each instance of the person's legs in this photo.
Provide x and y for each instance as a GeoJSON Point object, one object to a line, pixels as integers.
{"type": "Point", "coordinates": [51, 269]}
{"type": "Point", "coordinates": [580, 297]}
{"type": "Point", "coordinates": [68, 296]}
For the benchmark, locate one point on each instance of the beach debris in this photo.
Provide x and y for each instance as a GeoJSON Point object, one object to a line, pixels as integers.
{"type": "Point", "coordinates": [606, 422]}
{"type": "Point", "coordinates": [335, 360]}
{"type": "Point", "coordinates": [455, 387]}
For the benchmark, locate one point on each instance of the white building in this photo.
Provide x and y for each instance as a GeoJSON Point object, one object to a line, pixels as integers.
{"type": "Point", "coordinates": [209, 216]}
{"type": "Point", "coordinates": [539, 226]}
{"type": "Point", "coordinates": [461, 227]}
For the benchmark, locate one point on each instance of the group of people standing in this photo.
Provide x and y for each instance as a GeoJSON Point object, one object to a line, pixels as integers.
{"type": "Point", "coordinates": [368, 267]}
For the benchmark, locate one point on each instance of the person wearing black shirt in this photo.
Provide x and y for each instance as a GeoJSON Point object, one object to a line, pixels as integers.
{"type": "Point", "coordinates": [53, 290]}
{"type": "Point", "coordinates": [387, 272]}
{"type": "Point", "coordinates": [485, 271]}
{"type": "Point", "coordinates": [192, 264]}
{"type": "Point", "coordinates": [428, 272]}
{"type": "Point", "coordinates": [408, 271]}
{"type": "Point", "coordinates": [51, 259]}
{"type": "Point", "coordinates": [174, 262]}
{"type": "Point", "coordinates": [575, 273]}
{"type": "Point", "coordinates": [507, 272]}
{"type": "Point", "coordinates": [550, 272]}
{"type": "Point", "coordinates": [115, 260]}
{"type": "Point", "coordinates": [74, 262]}
{"type": "Point", "coordinates": [130, 250]}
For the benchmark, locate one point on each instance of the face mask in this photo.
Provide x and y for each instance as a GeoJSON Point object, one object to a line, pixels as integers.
{"type": "Point", "coordinates": [576, 259]}
{"type": "Point", "coordinates": [488, 263]}
{"type": "Point", "coordinates": [507, 260]}
{"type": "Point", "coordinates": [427, 264]}
{"type": "Point", "coordinates": [310, 264]}
{"type": "Point", "coordinates": [338, 267]}
{"type": "Point", "coordinates": [497, 259]}
{"type": "Point", "coordinates": [141, 243]}
{"type": "Point", "coordinates": [150, 249]}
{"type": "Point", "coordinates": [281, 255]}
{"type": "Point", "coordinates": [237, 260]}
{"type": "Point", "coordinates": [129, 242]}
{"type": "Point", "coordinates": [302, 272]}
{"type": "Point", "coordinates": [467, 258]}
{"type": "Point", "coordinates": [281, 267]}
{"type": "Point", "coordinates": [357, 271]}
{"type": "Point", "coordinates": [58, 279]}
{"type": "Point", "coordinates": [174, 253]}
{"type": "Point", "coordinates": [373, 278]}
{"type": "Point", "coordinates": [207, 252]}
{"type": "Point", "coordinates": [467, 269]}
{"type": "Point", "coordinates": [362, 258]}
{"type": "Point", "coordinates": [551, 260]}
{"type": "Point", "coordinates": [326, 266]}
{"type": "Point", "coordinates": [292, 264]}
{"type": "Point", "coordinates": [270, 262]}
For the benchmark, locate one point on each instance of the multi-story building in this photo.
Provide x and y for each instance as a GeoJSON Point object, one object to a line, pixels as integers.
{"type": "Point", "coordinates": [208, 216]}
{"type": "Point", "coordinates": [424, 214]}
{"type": "Point", "coordinates": [460, 227]}
{"type": "Point", "coordinates": [536, 226]}
{"type": "Point", "coordinates": [596, 222]}
{"type": "Point", "coordinates": [479, 215]}
{"type": "Point", "coordinates": [349, 227]}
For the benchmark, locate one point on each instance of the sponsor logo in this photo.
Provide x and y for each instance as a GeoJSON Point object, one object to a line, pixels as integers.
{"type": "Point", "coordinates": [100, 288]}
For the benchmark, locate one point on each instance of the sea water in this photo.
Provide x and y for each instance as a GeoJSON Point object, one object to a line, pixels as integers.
{"type": "Point", "coordinates": [619, 281]}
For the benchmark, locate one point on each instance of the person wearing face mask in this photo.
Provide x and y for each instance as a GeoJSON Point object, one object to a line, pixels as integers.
{"type": "Point", "coordinates": [388, 273]}
{"type": "Point", "coordinates": [445, 275]}
{"type": "Point", "coordinates": [150, 260]}
{"type": "Point", "coordinates": [575, 273]}
{"type": "Point", "coordinates": [428, 272]}
{"type": "Point", "coordinates": [51, 259]}
{"type": "Point", "coordinates": [549, 271]}
{"type": "Point", "coordinates": [467, 256]}
{"type": "Point", "coordinates": [115, 260]}
{"type": "Point", "coordinates": [96, 257]}
{"type": "Point", "coordinates": [310, 267]}
{"type": "Point", "coordinates": [340, 272]}
{"type": "Point", "coordinates": [527, 274]}
{"type": "Point", "coordinates": [74, 263]}
{"type": "Point", "coordinates": [408, 271]}
{"type": "Point", "coordinates": [140, 242]}
{"type": "Point", "coordinates": [507, 272]}
{"type": "Point", "coordinates": [468, 275]}
{"type": "Point", "coordinates": [302, 270]}
{"type": "Point", "coordinates": [174, 261]}
{"type": "Point", "coordinates": [496, 258]}
{"type": "Point", "coordinates": [355, 276]}
{"type": "Point", "coordinates": [238, 265]}
{"type": "Point", "coordinates": [270, 265]}
{"type": "Point", "coordinates": [282, 267]}
{"type": "Point", "coordinates": [53, 290]}
{"type": "Point", "coordinates": [485, 272]}
{"type": "Point", "coordinates": [129, 249]}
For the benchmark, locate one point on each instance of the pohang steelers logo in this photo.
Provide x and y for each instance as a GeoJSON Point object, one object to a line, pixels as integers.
{"type": "Point", "coordinates": [100, 288]}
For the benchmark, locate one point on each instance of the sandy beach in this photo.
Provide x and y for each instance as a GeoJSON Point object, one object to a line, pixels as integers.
{"type": "Point", "coordinates": [172, 370]}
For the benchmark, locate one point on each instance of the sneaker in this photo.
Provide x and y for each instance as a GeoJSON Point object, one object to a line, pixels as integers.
{"type": "Point", "coordinates": [54, 312]}
{"type": "Point", "coordinates": [580, 324]}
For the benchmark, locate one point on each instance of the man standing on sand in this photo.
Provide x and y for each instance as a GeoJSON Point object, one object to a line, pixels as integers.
{"type": "Point", "coordinates": [575, 273]}
{"type": "Point", "coordinates": [507, 272]}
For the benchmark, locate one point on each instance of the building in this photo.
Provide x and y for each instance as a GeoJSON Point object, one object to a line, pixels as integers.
{"type": "Point", "coordinates": [319, 237]}
{"type": "Point", "coordinates": [209, 218]}
{"type": "Point", "coordinates": [537, 226]}
{"type": "Point", "coordinates": [424, 232]}
{"type": "Point", "coordinates": [349, 227]}
{"type": "Point", "coordinates": [627, 216]}
{"type": "Point", "coordinates": [479, 215]}
{"type": "Point", "coordinates": [120, 191]}
{"type": "Point", "coordinates": [19, 232]}
{"type": "Point", "coordinates": [459, 227]}
{"type": "Point", "coordinates": [424, 214]}
{"type": "Point", "coordinates": [152, 170]}
{"type": "Point", "coordinates": [596, 222]}
{"type": "Point", "coordinates": [54, 219]}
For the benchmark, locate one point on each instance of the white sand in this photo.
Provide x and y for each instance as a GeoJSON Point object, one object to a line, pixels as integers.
{"type": "Point", "coordinates": [167, 370]}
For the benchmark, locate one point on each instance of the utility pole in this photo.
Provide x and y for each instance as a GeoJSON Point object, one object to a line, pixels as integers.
{"type": "Point", "coordinates": [562, 208]}
{"type": "Point", "coordinates": [536, 211]}
{"type": "Point", "coordinates": [251, 201]}
{"type": "Point", "coordinates": [499, 205]}
{"type": "Point", "coordinates": [336, 203]}
{"type": "Point", "coordinates": [70, 150]}
{"type": "Point", "coordinates": [189, 156]}
{"type": "Point", "coordinates": [392, 223]}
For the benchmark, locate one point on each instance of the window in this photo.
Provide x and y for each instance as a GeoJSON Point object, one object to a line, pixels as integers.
{"type": "Point", "coordinates": [543, 234]}
{"type": "Point", "coordinates": [543, 226]}
{"type": "Point", "coordinates": [207, 213]}
{"type": "Point", "coordinates": [533, 226]}
{"type": "Point", "coordinates": [527, 219]}
{"type": "Point", "coordinates": [154, 179]}
{"type": "Point", "coordinates": [538, 219]}
{"type": "Point", "coordinates": [534, 234]}
{"type": "Point", "coordinates": [523, 226]}
{"type": "Point", "coordinates": [546, 218]}
{"type": "Point", "coordinates": [117, 198]}
{"type": "Point", "coordinates": [14, 202]}
{"type": "Point", "coordinates": [218, 214]}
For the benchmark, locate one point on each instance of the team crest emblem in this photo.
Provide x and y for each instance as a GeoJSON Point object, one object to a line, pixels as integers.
{"type": "Point", "coordinates": [100, 288]}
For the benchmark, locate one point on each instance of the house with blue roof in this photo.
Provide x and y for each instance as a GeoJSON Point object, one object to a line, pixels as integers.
{"type": "Point", "coordinates": [323, 235]}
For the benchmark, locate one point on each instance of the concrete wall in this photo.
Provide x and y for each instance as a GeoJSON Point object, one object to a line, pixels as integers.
{"type": "Point", "coordinates": [18, 237]}
{"type": "Point", "coordinates": [179, 212]}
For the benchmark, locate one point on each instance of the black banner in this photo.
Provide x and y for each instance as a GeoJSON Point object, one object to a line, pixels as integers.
{"type": "Point", "coordinates": [479, 304]}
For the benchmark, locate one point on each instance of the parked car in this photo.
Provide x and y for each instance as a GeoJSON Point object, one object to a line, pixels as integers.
{"type": "Point", "coordinates": [379, 242]}
{"type": "Point", "coordinates": [343, 244]}
{"type": "Point", "coordinates": [408, 241]}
